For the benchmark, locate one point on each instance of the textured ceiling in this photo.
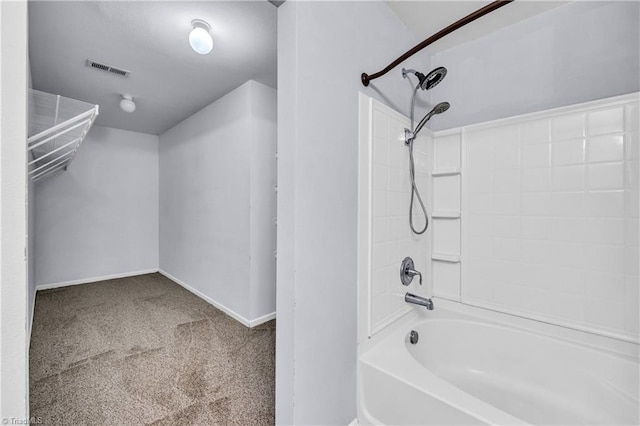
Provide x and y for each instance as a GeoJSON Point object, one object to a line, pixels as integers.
{"type": "Point", "coordinates": [168, 80]}
{"type": "Point", "coordinates": [425, 18]}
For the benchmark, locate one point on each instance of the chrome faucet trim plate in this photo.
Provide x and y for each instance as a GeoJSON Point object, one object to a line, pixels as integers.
{"type": "Point", "coordinates": [407, 271]}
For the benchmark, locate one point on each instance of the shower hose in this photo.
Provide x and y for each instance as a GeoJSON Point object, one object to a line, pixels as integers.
{"type": "Point", "coordinates": [415, 194]}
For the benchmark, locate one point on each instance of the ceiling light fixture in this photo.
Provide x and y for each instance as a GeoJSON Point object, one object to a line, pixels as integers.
{"type": "Point", "coordinates": [127, 104]}
{"type": "Point", "coordinates": [199, 38]}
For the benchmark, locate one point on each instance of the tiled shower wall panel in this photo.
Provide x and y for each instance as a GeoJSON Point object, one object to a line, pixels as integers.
{"type": "Point", "coordinates": [550, 207]}
{"type": "Point", "coordinates": [391, 237]}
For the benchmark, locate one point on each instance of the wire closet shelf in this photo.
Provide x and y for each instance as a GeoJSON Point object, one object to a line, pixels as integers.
{"type": "Point", "coordinates": [57, 127]}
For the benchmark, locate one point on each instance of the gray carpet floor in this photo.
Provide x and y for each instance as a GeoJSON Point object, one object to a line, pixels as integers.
{"type": "Point", "coordinates": [143, 350]}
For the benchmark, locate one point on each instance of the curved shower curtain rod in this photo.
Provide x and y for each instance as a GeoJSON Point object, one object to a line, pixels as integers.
{"type": "Point", "coordinates": [366, 78]}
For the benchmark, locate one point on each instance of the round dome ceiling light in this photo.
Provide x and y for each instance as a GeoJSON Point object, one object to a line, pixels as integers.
{"type": "Point", "coordinates": [199, 38]}
{"type": "Point", "coordinates": [127, 104]}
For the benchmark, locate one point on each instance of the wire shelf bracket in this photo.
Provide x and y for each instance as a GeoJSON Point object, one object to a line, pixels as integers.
{"type": "Point", "coordinates": [57, 127]}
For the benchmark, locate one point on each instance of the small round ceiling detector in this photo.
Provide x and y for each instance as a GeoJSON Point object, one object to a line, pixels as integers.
{"type": "Point", "coordinates": [127, 104]}
{"type": "Point", "coordinates": [199, 38]}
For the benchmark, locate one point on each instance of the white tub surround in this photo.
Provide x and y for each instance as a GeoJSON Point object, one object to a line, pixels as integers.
{"type": "Point", "coordinates": [385, 237]}
{"type": "Point", "coordinates": [534, 262]}
{"type": "Point", "coordinates": [543, 216]}
{"type": "Point", "coordinates": [497, 371]}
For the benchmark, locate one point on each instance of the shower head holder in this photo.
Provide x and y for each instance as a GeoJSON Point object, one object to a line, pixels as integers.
{"type": "Point", "coordinates": [418, 74]}
{"type": "Point", "coordinates": [408, 136]}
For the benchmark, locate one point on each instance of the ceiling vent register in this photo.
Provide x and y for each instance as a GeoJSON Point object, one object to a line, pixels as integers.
{"type": "Point", "coordinates": [108, 68]}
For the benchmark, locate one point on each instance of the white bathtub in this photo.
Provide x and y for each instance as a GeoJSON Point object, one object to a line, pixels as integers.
{"type": "Point", "coordinates": [490, 368]}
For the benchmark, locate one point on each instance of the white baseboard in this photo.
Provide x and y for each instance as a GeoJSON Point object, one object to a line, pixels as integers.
{"type": "Point", "coordinates": [230, 312]}
{"type": "Point", "coordinates": [262, 319]}
{"type": "Point", "coordinates": [95, 279]}
{"type": "Point", "coordinates": [247, 322]}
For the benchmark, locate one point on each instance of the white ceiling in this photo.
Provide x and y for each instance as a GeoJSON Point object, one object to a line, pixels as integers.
{"type": "Point", "coordinates": [425, 18]}
{"type": "Point", "coordinates": [168, 80]}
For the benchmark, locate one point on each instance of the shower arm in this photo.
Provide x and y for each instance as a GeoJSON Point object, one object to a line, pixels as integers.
{"type": "Point", "coordinates": [366, 78]}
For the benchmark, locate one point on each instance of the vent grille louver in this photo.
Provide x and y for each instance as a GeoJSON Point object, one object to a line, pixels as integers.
{"type": "Point", "coordinates": [107, 68]}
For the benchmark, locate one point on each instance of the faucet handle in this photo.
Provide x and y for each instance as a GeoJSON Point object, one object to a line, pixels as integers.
{"type": "Point", "coordinates": [413, 273]}
{"type": "Point", "coordinates": [407, 271]}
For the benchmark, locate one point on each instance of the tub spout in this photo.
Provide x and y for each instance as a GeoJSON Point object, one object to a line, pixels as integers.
{"type": "Point", "coordinates": [419, 300]}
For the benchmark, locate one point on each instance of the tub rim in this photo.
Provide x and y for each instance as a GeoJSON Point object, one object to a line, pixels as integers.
{"type": "Point", "coordinates": [395, 341]}
{"type": "Point", "coordinates": [445, 308]}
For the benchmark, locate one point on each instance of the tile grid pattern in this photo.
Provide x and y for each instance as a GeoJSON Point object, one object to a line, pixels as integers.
{"type": "Point", "coordinates": [391, 236]}
{"type": "Point", "coordinates": [552, 218]}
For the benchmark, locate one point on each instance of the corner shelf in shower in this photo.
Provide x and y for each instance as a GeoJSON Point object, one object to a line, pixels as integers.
{"type": "Point", "coordinates": [57, 127]}
{"type": "Point", "coordinates": [442, 257]}
{"type": "Point", "coordinates": [446, 172]}
{"type": "Point", "coordinates": [441, 214]}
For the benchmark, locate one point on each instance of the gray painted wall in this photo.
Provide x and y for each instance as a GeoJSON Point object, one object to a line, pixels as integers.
{"type": "Point", "coordinates": [210, 205]}
{"type": "Point", "coordinates": [31, 223]}
{"type": "Point", "coordinates": [576, 53]}
{"type": "Point", "coordinates": [262, 201]}
{"type": "Point", "coordinates": [14, 365]}
{"type": "Point", "coordinates": [323, 47]}
{"type": "Point", "coordinates": [31, 247]}
{"type": "Point", "coordinates": [99, 218]}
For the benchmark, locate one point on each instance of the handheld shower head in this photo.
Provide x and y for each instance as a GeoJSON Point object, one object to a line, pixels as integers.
{"type": "Point", "coordinates": [441, 107]}
{"type": "Point", "coordinates": [426, 82]}
{"type": "Point", "coordinates": [438, 109]}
